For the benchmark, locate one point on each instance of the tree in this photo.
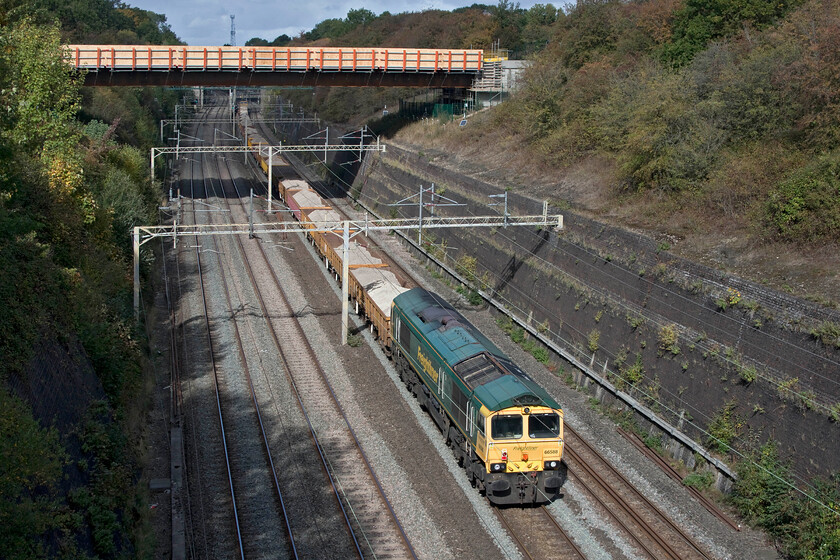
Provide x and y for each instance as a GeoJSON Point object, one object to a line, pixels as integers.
{"type": "Point", "coordinates": [281, 41]}
{"type": "Point", "coordinates": [362, 16]}
{"type": "Point", "coordinates": [701, 21]}
{"type": "Point", "coordinates": [508, 19]}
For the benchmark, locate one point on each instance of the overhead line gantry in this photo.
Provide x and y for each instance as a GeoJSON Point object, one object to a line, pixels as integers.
{"type": "Point", "coordinates": [346, 228]}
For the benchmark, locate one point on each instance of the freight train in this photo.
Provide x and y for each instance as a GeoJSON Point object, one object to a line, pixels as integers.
{"type": "Point", "coordinates": [502, 427]}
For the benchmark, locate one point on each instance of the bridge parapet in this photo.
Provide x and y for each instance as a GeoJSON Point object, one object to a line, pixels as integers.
{"type": "Point", "coordinates": [155, 58]}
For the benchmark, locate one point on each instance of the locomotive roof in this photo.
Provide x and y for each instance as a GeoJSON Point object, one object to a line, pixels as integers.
{"type": "Point", "coordinates": [495, 380]}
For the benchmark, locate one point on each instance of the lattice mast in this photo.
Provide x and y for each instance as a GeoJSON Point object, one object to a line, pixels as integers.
{"type": "Point", "coordinates": [232, 30]}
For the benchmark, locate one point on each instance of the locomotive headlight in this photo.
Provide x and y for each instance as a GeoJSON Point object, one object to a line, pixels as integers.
{"type": "Point", "coordinates": [497, 467]}
{"type": "Point", "coordinates": [552, 465]}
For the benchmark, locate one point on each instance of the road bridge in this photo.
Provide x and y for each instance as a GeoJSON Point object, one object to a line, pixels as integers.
{"type": "Point", "coordinates": [155, 65]}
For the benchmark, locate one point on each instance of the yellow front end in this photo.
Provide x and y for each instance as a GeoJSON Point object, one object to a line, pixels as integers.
{"type": "Point", "coordinates": [523, 454]}
{"type": "Point", "coordinates": [520, 452]}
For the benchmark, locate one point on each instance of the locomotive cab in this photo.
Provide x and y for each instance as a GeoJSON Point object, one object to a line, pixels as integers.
{"type": "Point", "coordinates": [523, 457]}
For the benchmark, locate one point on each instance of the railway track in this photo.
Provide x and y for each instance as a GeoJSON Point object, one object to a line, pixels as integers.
{"type": "Point", "coordinates": [255, 502]}
{"type": "Point", "coordinates": [652, 531]}
{"type": "Point", "coordinates": [538, 534]}
{"type": "Point", "coordinates": [372, 523]}
{"type": "Point", "coordinates": [210, 531]}
{"type": "Point", "coordinates": [248, 519]}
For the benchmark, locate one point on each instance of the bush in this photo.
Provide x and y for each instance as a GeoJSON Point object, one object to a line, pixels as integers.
{"type": "Point", "coordinates": [541, 354]}
{"type": "Point", "coordinates": [669, 146]}
{"type": "Point", "coordinates": [699, 480]}
{"type": "Point", "coordinates": [699, 22]}
{"type": "Point", "coordinates": [806, 206]}
{"type": "Point", "coordinates": [30, 464]}
{"type": "Point", "coordinates": [475, 298]}
{"type": "Point", "coordinates": [806, 524]}
{"type": "Point", "coordinates": [828, 333]}
{"type": "Point", "coordinates": [594, 337]}
{"type": "Point", "coordinates": [725, 427]}
{"type": "Point", "coordinates": [669, 335]}
{"type": "Point", "coordinates": [748, 373]}
{"type": "Point", "coordinates": [635, 373]}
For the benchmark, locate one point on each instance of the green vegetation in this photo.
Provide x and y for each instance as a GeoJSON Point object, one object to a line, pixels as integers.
{"type": "Point", "coordinates": [654, 442]}
{"type": "Point", "coordinates": [472, 295]}
{"type": "Point", "coordinates": [700, 480]}
{"type": "Point", "coordinates": [30, 469]}
{"type": "Point", "coordinates": [517, 334]}
{"type": "Point", "coordinates": [697, 102]}
{"type": "Point", "coordinates": [806, 205]}
{"type": "Point", "coordinates": [748, 373]}
{"type": "Point", "coordinates": [669, 336]}
{"type": "Point", "coordinates": [70, 189]}
{"type": "Point", "coordinates": [724, 428]}
{"type": "Point", "coordinates": [593, 339]}
{"type": "Point", "coordinates": [828, 333]}
{"type": "Point", "coordinates": [634, 373]}
{"type": "Point", "coordinates": [697, 23]}
{"type": "Point", "coordinates": [807, 525]}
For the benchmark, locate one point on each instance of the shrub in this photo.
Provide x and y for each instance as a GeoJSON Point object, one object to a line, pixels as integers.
{"type": "Point", "coordinates": [541, 354]}
{"type": "Point", "coordinates": [594, 337]}
{"type": "Point", "coordinates": [636, 372]}
{"type": "Point", "coordinates": [828, 333]}
{"type": "Point", "coordinates": [699, 480]}
{"type": "Point", "coordinates": [806, 206]}
{"type": "Point", "coordinates": [668, 337]}
{"type": "Point", "coordinates": [725, 427]}
{"type": "Point", "coordinates": [635, 321]}
{"type": "Point", "coordinates": [506, 324]}
{"type": "Point", "coordinates": [466, 265]}
{"type": "Point", "coordinates": [474, 298]}
{"type": "Point", "coordinates": [32, 458]}
{"type": "Point", "coordinates": [747, 373]}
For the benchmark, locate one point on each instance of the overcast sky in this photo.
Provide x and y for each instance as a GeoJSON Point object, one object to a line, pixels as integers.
{"type": "Point", "coordinates": [207, 22]}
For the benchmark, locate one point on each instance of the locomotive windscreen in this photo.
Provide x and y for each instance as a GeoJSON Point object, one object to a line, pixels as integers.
{"type": "Point", "coordinates": [544, 425]}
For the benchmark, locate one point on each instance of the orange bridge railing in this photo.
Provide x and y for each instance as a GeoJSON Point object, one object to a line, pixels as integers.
{"type": "Point", "coordinates": [145, 58]}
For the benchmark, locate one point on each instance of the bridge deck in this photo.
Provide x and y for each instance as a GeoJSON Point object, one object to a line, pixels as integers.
{"type": "Point", "coordinates": [146, 65]}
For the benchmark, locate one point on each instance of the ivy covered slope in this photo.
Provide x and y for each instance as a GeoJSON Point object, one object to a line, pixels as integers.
{"type": "Point", "coordinates": [71, 371]}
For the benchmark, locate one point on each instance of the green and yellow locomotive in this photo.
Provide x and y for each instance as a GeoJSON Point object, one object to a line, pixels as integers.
{"type": "Point", "coordinates": [503, 428]}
